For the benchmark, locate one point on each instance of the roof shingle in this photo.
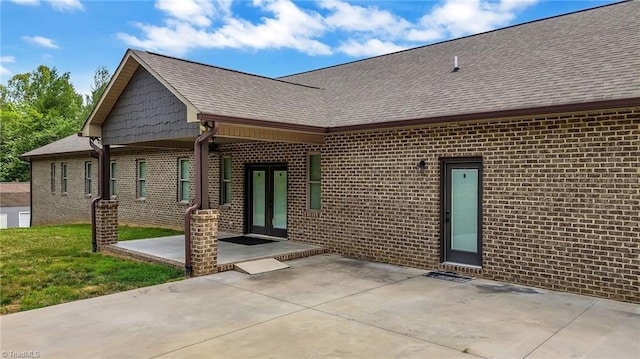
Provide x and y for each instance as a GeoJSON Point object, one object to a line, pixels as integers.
{"type": "Point", "coordinates": [587, 56]}
{"type": "Point", "coordinates": [223, 92]}
{"type": "Point", "coordinates": [69, 144]}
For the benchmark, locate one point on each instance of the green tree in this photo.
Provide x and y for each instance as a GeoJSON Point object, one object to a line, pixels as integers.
{"type": "Point", "coordinates": [36, 108]}
{"type": "Point", "coordinates": [100, 81]}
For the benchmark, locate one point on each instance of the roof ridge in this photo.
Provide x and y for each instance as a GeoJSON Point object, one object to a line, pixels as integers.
{"type": "Point", "coordinates": [454, 39]}
{"type": "Point", "coordinates": [226, 69]}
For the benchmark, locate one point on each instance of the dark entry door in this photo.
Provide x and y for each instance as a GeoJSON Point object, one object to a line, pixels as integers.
{"type": "Point", "coordinates": [267, 199]}
{"type": "Point", "coordinates": [462, 211]}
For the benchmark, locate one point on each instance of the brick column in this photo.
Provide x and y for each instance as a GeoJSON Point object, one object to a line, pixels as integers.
{"type": "Point", "coordinates": [106, 223]}
{"type": "Point", "coordinates": [204, 242]}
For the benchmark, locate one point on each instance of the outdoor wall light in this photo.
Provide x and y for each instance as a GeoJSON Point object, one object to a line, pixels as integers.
{"type": "Point", "coordinates": [420, 167]}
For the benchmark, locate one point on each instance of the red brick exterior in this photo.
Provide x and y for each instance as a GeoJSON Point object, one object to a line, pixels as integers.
{"type": "Point", "coordinates": [55, 207]}
{"type": "Point", "coordinates": [106, 223]}
{"type": "Point", "coordinates": [560, 199]}
{"type": "Point", "coordinates": [204, 237]}
{"type": "Point", "coordinates": [560, 196]}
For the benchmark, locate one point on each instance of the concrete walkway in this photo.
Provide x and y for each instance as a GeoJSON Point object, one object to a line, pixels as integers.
{"type": "Point", "coordinates": [329, 306]}
{"type": "Point", "coordinates": [172, 248]}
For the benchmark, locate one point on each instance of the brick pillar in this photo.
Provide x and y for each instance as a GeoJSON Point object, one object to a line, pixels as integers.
{"type": "Point", "coordinates": [106, 223]}
{"type": "Point", "coordinates": [204, 242]}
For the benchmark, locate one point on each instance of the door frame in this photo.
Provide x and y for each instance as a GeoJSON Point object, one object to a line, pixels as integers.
{"type": "Point", "coordinates": [269, 168]}
{"type": "Point", "coordinates": [445, 183]}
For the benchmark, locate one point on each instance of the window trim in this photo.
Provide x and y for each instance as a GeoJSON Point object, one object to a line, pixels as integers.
{"type": "Point", "coordinates": [53, 177]}
{"type": "Point", "coordinates": [113, 185]}
{"type": "Point", "coordinates": [141, 180]}
{"type": "Point", "coordinates": [88, 181]}
{"type": "Point", "coordinates": [224, 181]}
{"type": "Point", "coordinates": [309, 182]}
{"type": "Point", "coordinates": [181, 180]}
{"type": "Point", "coordinates": [64, 169]}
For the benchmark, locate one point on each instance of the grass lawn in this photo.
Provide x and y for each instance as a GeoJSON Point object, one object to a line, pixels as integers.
{"type": "Point", "coordinates": [42, 266]}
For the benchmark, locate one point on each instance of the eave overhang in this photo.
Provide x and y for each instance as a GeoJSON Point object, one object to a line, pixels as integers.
{"type": "Point", "coordinates": [127, 67]}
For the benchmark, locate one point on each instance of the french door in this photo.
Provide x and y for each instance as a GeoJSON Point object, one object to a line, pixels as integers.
{"type": "Point", "coordinates": [266, 207]}
{"type": "Point", "coordinates": [461, 222]}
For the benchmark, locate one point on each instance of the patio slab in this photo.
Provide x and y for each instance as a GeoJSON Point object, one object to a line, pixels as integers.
{"type": "Point", "coordinates": [172, 248]}
{"type": "Point", "coordinates": [329, 306]}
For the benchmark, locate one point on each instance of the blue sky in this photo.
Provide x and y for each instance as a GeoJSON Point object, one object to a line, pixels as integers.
{"type": "Point", "coordinates": [266, 37]}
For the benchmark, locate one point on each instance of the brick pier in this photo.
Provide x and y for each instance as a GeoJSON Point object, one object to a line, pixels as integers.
{"type": "Point", "coordinates": [204, 242]}
{"type": "Point", "coordinates": [106, 223]}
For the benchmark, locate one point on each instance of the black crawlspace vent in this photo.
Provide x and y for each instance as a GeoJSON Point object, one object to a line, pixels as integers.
{"type": "Point", "coordinates": [450, 276]}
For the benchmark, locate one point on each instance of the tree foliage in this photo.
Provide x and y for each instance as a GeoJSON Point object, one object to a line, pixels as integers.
{"type": "Point", "coordinates": [37, 108]}
{"type": "Point", "coordinates": [100, 81]}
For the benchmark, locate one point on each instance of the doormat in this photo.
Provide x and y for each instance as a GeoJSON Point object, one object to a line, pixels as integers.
{"type": "Point", "coordinates": [450, 276]}
{"type": "Point", "coordinates": [247, 241]}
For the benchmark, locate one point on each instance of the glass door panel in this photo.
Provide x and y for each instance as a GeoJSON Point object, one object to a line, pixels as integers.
{"type": "Point", "coordinates": [461, 181]}
{"type": "Point", "coordinates": [280, 199]}
{"type": "Point", "coordinates": [258, 197]}
{"type": "Point", "coordinates": [266, 199]}
{"type": "Point", "coordinates": [464, 210]}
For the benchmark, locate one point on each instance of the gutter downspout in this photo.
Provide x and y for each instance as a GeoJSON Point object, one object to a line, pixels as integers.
{"type": "Point", "coordinates": [198, 195]}
{"type": "Point", "coordinates": [94, 202]}
{"type": "Point", "coordinates": [30, 194]}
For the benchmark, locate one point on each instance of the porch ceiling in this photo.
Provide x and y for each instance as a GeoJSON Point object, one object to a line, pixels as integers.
{"type": "Point", "coordinates": [231, 133]}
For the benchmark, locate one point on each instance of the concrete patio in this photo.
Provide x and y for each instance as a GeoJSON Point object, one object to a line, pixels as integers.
{"type": "Point", "coordinates": [170, 250]}
{"type": "Point", "coordinates": [328, 306]}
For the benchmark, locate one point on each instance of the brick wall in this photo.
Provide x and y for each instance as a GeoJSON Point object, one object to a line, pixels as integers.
{"type": "Point", "coordinates": [56, 207]}
{"type": "Point", "coordinates": [106, 223]}
{"type": "Point", "coordinates": [561, 197]}
{"type": "Point", "coordinates": [159, 208]}
{"type": "Point", "coordinates": [204, 237]}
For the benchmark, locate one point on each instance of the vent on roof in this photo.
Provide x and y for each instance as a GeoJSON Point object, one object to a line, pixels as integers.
{"type": "Point", "coordinates": [455, 64]}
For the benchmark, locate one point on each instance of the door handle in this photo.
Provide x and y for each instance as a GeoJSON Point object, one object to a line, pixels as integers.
{"type": "Point", "coordinates": [447, 216]}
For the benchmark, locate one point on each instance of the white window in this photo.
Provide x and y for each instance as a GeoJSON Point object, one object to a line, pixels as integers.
{"type": "Point", "coordinates": [87, 177]}
{"type": "Point", "coordinates": [113, 172]}
{"type": "Point", "coordinates": [53, 177]}
{"type": "Point", "coordinates": [314, 189]}
{"type": "Point", "coordinates": [183, 180]}
{"type": "Point", "coordinates": [141, 179]}
{"type": "Point", "coordinates": [225, 181]}
{"type": "Point", "coordinates": [63, 177]}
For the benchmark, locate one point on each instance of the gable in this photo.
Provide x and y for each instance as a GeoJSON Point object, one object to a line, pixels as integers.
{"type": "Point", "coordinates": [146, 111]}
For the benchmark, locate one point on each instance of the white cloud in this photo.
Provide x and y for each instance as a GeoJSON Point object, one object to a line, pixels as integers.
{"type": "Point", "coordinates": [457, 18]}
{"type": "Point", "coordinates": [66, 5]}
{"type": "Point", "coordinates": [26, 2]}
{"type": "Point", "coordinates": [196, 12]}
{"type": "Point", "coordinates": [7, 59]}
{"type": "Point", "coordinates": [289, 27]}
{"type": "Point", "coordinates": [371, 47]}
{"type": "Point", "coordinates": [59, 5]}
{"type": "Point", "coordinates": [349, 17]}
{"type": "Point", "coordinates": [369, 30]}
{"type": "Point", "coordinates": [41, 41]}
{"type": "Point", "coordinates": [3, 70]}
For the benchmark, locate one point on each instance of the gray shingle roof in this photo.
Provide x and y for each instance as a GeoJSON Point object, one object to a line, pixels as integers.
{"type": "Point", "coordinates": [582, 57]}
{"type": "Point", "coordinates": [69, 144]}
{"type": "Point", "coordinates": [223, 92]}
{"type": "Point", "coordinates": [575, 61]}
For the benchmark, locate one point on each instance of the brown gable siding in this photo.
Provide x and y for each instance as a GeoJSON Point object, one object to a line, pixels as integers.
{"type": "Point", "coordinates": [146, 111]}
